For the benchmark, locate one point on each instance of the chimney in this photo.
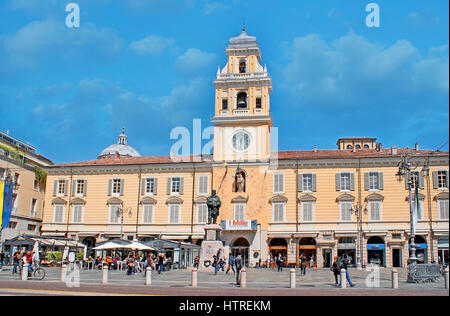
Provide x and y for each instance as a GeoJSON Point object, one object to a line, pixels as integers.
{"type": "Point", "coordinates": [394, 150]}
{"type": "Point", "coordinates": [315, 148]}
{"type": "Point", "coordinates": [416, 147]}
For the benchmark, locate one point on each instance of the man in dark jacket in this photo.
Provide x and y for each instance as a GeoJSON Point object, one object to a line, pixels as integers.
{"type": "Point", "coordinates": [238, 264]}
{"type": "Point", "coordinates": [344, 265]}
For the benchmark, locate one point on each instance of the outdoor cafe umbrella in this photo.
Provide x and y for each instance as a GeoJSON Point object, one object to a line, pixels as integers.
{"type": "Point", "coordinates": [108, 246]}
{"type": "Point", "coordinates": [138, 246]}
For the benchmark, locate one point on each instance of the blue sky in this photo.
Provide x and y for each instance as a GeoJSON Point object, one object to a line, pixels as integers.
{"type": "Point", "coordinates": [148, 65]}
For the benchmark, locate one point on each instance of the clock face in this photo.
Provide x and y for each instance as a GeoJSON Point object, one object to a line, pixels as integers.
{"type": "Point", "coordinates": [241, 141]}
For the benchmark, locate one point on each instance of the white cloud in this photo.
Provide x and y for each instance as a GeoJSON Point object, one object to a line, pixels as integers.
{"type": "Point", "coordinates": [214, 6]}
{"type": "Point", "coordinates": [194, 61]}
{"type": "Point", "coordinates": [151, 45]}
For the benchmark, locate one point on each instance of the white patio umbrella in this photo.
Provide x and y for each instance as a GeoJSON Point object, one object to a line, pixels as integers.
{"type": "Point", "coordinates": [137, 245]}
{"type": "Point", "coordinates": [109, 245]}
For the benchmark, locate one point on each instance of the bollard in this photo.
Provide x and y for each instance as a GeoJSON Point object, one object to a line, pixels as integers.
{"type": "Point", "coordinates": [105, 274]}
{"type": "Point", "coordinates": [293, 279]}
{"type": "Point", "coordinates": [148, 277]}
{"type": "Point", "coordinates": [343, 279]}
{"type": "Point", "coordinates": [394, 279]}
{"type": "Point", "coordinates": [25, 272]}
{"type": "Point", "coordinates": [63, 273]}
{"type": "Point", "coordinates": [243, 282]}
{"type": "Point", "coordinates": [194, 277]}
{"type": "Point", "coordinates": [446, 278]}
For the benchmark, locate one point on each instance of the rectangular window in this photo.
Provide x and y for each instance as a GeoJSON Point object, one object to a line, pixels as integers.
{"type": "Point", "coordinates": [31, 228]}
{"type": "Point", "coordinates": [278, 183]}
{"type": "Point", "coordinates": [77, 213]}
{"type": "Point", "coordinates": [150, 186]}
{"type": "Point", "coordinates": [59, 212]}
{"type": "Point", "coordinates": [420, 210]}
{"type": "Point", "coordinates": [114, 214]}
{"type": "Point", "coordinates": [33, 210]}
{"type": "Point", "coordinates": [61, 187]}
{"type": "Point", "coordinates": [147, 216]}
{"type": "Point", "coordinates": [176, 185]}
{"type": "Point", "coordinates": [202, 213]}
{"type": "Point", "coordinates": [345, 181]}
{"type": "Point", "coordinates": [308, 211]}
{"type": "Point", "coordinates": [116, 189]}
{"type": "Point", "coordinates": [79, 191]}
{"type": "Point", "coordinates": [443, 209]}
{"type": "Point", "coordinates": [278, 212]}
{"type": "Point", "coordinates": [396, 236]}
{"type": "Point", "coordinates": [442, 179]}
{"type": "Point", "coordinates": [373, 181]}
{"type": "Point", "coordinates": [203, 184]}
{"type": "Point", "coordinates": [375, 210]}
{"type": "Point", "coordinates": [224, 104]}
{"type": "Point", "coordinates": [346, 211]}
{"type": "Point", "coordinates": [239, 211]}
{"type": "Point", "coordinates": [414, 177]}
{"type": "Point", "coordinates": [307, 184]}
{"type": "Point", "coordinates": [16, 178]}
{"type": "Point", "coordinates": [36, 185]}
{"type": "Point", "coordinates": [12, 225]}
{"type": "Point", "coordinates": [174, 213]}
{"type": "Point", "coordinates": [258, 103]}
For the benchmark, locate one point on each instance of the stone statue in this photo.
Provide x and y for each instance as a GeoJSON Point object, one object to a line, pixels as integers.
{"type": "Point", "coordinates": [213, 203]}
{"type": "Point", "coordinates": [240, 182]}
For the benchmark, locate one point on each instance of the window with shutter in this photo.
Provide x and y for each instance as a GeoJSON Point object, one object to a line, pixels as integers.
{"type": "Point", "coordinates": [202, 213]}
{"type": "Point", "coordinates": [345, 181]}
{"type": "Point", "coordinates": [239, 211]}
{"type": "Point", "coordinates": [307, 211]}
{"type": "Point", "coordinates": [443, 209]}
{"type": "Point", "coordinates": [346, 211]}
{"type": "Point", "coordinates": [79, 191]}
{"type": "Point", "coordinates": [147, 213]}
{"type": "Point", "coordinates": [278, 183]}
{"type": "Point", "coordinates": [203, 184]}
{"type": "Point", "coordinates": [114, 214]}
{"type": "Point", "coordinates": [442, 179]}
{"type": "Point", "coordinates": [61, 187]}
{"type": "Point", "coordinates": [77, 213]}
{"type": "Point", "coordinates": [373, 181]}
{"type": "Point", "coordinates": [307, 182]}
{"type": "Point", "coordinates": [375, 210]}
{"type": "Point", "coordinates": [278, 212]}
{"type": "Point", "coordinates": [176, 185]}
{"type": "Point", "coordinates": [420, 210]}
{"type": "Point", "coordinates": [414, 177]}
{"type": "Point", "coordinates": [174, 213]}
{"type": "Point", "coordinates": [150, 186]}
{"type": "Point", "coordinates": [116, 187]}
{"type": "Point", "coordinates": [59, 212]}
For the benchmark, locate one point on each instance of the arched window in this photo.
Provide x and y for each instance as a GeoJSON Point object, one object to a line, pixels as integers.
{"type": "Point", "coordinates": [242, 100]}
{"type": "Point", "coordinates": [366, 146]}
{"type": "Point", "coordinates": [349, 147]}
{"type": "Point", "coordinates": [358, 146]}
{"type": "Point", "coordinates": [242, 66]}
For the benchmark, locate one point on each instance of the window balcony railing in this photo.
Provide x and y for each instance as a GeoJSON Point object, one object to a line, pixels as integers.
{"type": "Point", "coordinates": [246, 75]}
{"type": "Point", "coordinates": [240, 112]}
{"type": "Point", "coordinates": [223, 112]}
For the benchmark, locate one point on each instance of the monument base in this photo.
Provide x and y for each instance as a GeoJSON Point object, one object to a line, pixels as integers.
{"type": "Point", "coordinates": [209, 248]}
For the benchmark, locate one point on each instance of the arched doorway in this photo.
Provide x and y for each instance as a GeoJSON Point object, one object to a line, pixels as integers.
{"type": "Point", "coordinates": [90, 243]}
{"type": "Point", "coordinates": [347, 247]}
{"type": "Point", "coordinates": [241, 245]}
{"type": "Point", "coordinates": [376, 250]}
{"type": "Point", "coordinates": [421, 249]}
{"type": "Point", "coordinates": [307, 248]}
{"type": "Point", "coordinates": [277, 246]}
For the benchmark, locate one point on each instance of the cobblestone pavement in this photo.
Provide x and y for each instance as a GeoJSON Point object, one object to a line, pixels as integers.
{"type": "Point", "coordinates": [178, 281]}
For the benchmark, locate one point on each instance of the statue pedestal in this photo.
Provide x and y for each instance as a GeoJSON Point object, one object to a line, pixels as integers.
{"type": "Point", "coordinates": [209, 248]}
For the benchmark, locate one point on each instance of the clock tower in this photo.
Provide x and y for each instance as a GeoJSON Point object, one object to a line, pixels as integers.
{"type": "Point", "coordinates": [242, 119]}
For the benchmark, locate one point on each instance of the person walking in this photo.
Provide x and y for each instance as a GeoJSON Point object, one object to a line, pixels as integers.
{"type": "Point", "coordinates": [215, 264]}
{"type": "Point", "coordinates": [130, 265]}
{"type": "Point", "coordinates": [238, 264]}
{"type": "Point", "coordinates": [196, 262]}
{"type": "Point", "coordinates": [160, 263]}
{"type": "Point", "coordinates": [231, 260]}
{"type": "Point", "coordinates": [344, 265]}
{"type": "Point", "coordinates": [17, 259]}
{"type": "Point", "coordinates": [280, 262]}
{"type": "Point", "coordinates": [303, 265]}
{"type": "Point", "coordinates": [336, 268]}
{"type": "Point", "coordinates": [311, 263]}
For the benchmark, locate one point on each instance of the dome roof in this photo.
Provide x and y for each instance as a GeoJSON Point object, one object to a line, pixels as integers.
{"type": "Point", "coordinates": [121, 148]}
{"type": "Point", "coordinates": [243, 40]}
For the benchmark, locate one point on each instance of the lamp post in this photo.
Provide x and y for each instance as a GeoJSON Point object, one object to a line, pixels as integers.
{"type": "Point", "coordinates": [404, 170]}
{"type": "Point", "coordinates": [358, 209]}
{"type": "Point", "coordinates": [121, 212]}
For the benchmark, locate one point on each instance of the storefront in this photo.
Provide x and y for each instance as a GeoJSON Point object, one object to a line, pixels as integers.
{"type": "Point", "coordinates": [277, 246]}
{"type": "Point", "coordinates": [308, 248]}
{"type": "Point", "coordinates": [242, 246]}
{"type": "Point", "coordinates": [347, 247]}
{"type": "Point", "coordinates": [376, 251]}
{"type": "Point", "coordinates": [443, 254]}
{"type": "Point", "coordinates": [421, 249]}
{"type": "Point", "coordinates": [182, 253]}
{"type": "Point", "coordinates": [242, 237]}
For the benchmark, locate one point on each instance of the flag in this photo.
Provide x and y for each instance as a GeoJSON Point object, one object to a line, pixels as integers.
{"type": "Point", "coordinates": [6, 194]}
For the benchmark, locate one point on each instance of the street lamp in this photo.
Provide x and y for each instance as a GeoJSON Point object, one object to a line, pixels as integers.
{"type": "Point", "coordinates": [358, 209]}
{"type": "Point", "coordinates": [122, 212]}
{"type": "Point", "coordinates": [404, 170]}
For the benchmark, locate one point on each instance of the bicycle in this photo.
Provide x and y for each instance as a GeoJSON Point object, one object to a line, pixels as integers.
{"type": "Point", "coordinates": [37, 274]}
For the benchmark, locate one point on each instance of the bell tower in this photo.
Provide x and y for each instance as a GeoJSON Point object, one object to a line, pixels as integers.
{"type": "Point", "coordinates": [242, 119]}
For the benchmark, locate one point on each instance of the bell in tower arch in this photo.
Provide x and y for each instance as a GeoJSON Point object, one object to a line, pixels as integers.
{"type": "Point", "coordinates": [242, 100]}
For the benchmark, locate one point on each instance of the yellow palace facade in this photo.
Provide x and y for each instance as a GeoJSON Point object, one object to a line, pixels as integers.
{"type": "Point", "coordinates": [317, 203]}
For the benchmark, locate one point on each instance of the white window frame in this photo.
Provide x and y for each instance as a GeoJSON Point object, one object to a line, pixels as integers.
{"type": "Point", "coordinates": [309, 176]}
{"type": "Point", "coordinates": [341, 177]}
{"type": "Point", "coordinates": [341, 204]}
{"type": "Point", "coordinates": [439, 201]}
{"type": "Point", "coordinates": [414, 175]}
{"type": "Point", "coordinates": [152, 214]}
{"type": "Point", "coordinates": [60, 183]}
{"type": "Point", "coordinates": [81, 215]}
{"type": "Point", "coordinates": [77, 184]}
{"type": "Point", "coordinates": [303, 211]}
{"type": "Point", "coordinates": [152, 186]}
{"type": "Point", "coordinates": [172, 192]}
{"type": "Point", "coordinates": [275, 182]}
{"type": "Point", "coordinates": [36, 185]}
{"type": "Point", "coordinates": [444, 187]}
{"type": "Point", "coordinates": [111, 208]}
{"type": "Point", "coordinates": [178, 206]}
{"type": "Point", "coordinates": [33, 210]}
{"type": "Point", "coordinates": [236, 206]}
{"type": "Point", "coordinates": [380, 210]}
{"type": "Point", "coordinates": [376, 175]}
{"type": "Point", "coordinates": [113, 186]}
{"type": "Point", "coordinates": [62, 213]}
{"type": "Point", "coordinates": [207, 184]}
{"type": "Point", "coordinates": [283, 217]}
{"type": "Point", "coordinates": [202, 205]}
